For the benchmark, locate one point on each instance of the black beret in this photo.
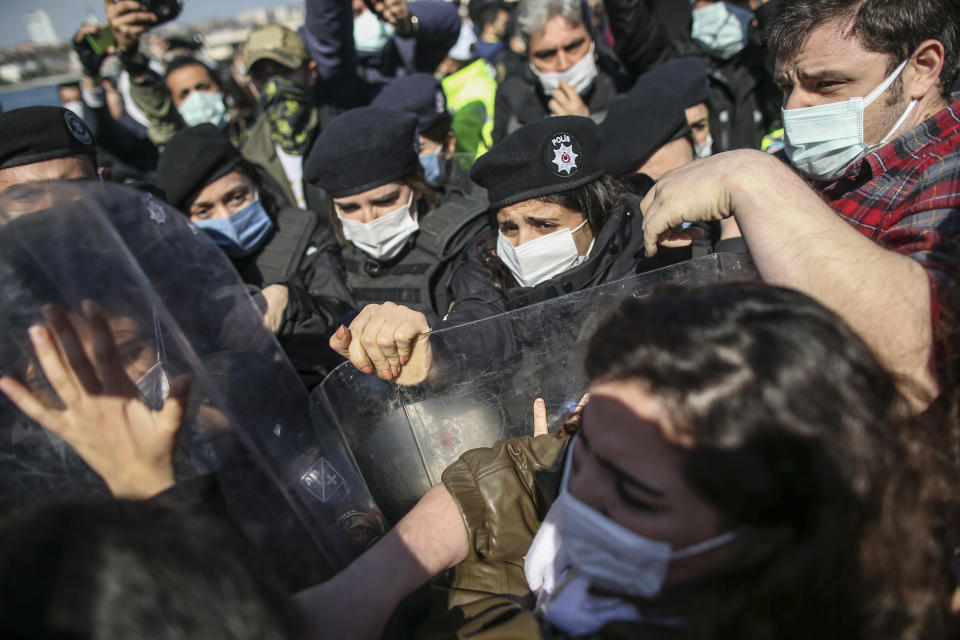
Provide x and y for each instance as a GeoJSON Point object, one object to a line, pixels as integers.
{"type": "Point", "coordinates": [363, 149]}
{"type": "Point", "coordinates": [546, 156]}
{"type": "Point", "coordinates": [35, 134]}
{"type": "Point", "coordinates": [192, 159]}
{"type": "Point", "coordinates": [685, 77]}
{"type": "Point", "coordinates": [420, 93]}
{"type": "Point", "coordinates": [638, 124]}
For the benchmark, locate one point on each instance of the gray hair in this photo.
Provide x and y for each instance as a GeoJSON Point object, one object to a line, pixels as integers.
{"type": "Point", "coordinates": [533, 15]}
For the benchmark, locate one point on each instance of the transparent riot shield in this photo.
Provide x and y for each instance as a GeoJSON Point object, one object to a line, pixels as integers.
{"type": "Point", "coordinates": [488, 375]}
{"type": "Point", "coordinates": [175, 306]}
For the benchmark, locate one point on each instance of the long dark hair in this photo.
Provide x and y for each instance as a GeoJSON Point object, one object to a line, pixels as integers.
{"type": "Point", "coordinates": [595, 200]}
{"type": "Point", "coordinates": [796, 432]}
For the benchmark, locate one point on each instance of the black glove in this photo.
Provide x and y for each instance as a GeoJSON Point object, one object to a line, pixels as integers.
{"type": "Point", "coordinates": [90, 60]}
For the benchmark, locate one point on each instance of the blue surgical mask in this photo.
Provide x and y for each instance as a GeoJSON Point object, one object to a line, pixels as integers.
{"type": "Point", "coordinates": [240, 233]}
{"type": "Point", "coordinates": [204, 107]}
{"type": "Point", "coordinates": [721, 29]}
{"type": "Point", "coordinates": [822, 141]}
{"type": "Point", "coordinates": [432, 168]}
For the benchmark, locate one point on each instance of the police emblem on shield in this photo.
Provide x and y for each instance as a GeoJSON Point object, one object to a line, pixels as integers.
{"type": "Point", "coordinates": [78, 128]}
{"type": "Point", "coordinates": [563, 154]}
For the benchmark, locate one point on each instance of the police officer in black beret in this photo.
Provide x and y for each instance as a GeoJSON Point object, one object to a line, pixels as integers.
{"type": "Point", "coordinates": [422, 95]}
{"type": "Point", "coordinates": [645, 133]}
{"type": "Point", "coordinates": [562, 225]}
{"type": "Point", "coordinates": [289, 255]}
{"type": "Point", "coordinates": [43, 144]}
{"type": "Point", "coordinates": [687, 80]}
{"type": "Point", "coordinates": [398, 244]}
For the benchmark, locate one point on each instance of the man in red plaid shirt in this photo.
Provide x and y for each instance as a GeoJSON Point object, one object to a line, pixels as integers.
{"type": "Point", "coordinates": [874, 136]}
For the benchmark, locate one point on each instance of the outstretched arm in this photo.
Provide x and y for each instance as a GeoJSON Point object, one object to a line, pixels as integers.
{"type": "Point", "coordinates": [797, 241]}
{"type": "Point", "coordinates": [430, 539]}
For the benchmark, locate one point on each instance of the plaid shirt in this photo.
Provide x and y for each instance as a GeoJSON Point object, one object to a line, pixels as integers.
{"type": "Point", "coordinates": [905, 195]}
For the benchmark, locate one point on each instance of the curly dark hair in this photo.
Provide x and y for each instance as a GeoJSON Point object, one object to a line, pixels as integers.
{"type": "Point", "coordinates": [798, 437]}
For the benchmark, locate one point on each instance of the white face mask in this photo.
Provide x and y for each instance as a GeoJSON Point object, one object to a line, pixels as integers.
{"type": "Point", "coordinates": [202, 107]}
{"type": "Point", "coordinates": [613, 557]}
{"type": "Point", "coordinates": [384, 237]}
{"type": "Point", "coordinates": [579, 76]}
{"type": "Point", "coordinates": [721, 29]}
{"type": "Point", "coordinates": [705, 148]}
{"type": "Point", "coordinates": [538, 260]}
{"type": "Point", "coordinates": [824, 140]}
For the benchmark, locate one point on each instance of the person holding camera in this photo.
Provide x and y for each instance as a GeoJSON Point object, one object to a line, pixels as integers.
{"type": "Point", "coordinates": [189, 93]}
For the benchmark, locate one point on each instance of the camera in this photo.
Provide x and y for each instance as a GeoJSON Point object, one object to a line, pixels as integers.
{"type": "Point", "coordinates": [165, 10]}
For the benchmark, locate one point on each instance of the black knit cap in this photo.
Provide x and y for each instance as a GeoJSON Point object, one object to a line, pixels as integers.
{"type": "Point", "coordinates": [363, 149]}
{"type": "Point", "coordinates": [685, 77]}
{"type": "Point", "coordinates": [546, 156]}
{"type": "Point", "coordinates": [192, 159]}
{"type": "Point", "coordinates": [419, 93]}
{"type": "Point", "coordinates": [36, 134]}
{"type": "Point", "coordinates": [638, 124]}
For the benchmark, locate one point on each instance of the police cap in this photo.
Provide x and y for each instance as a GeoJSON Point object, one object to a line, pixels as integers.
{"type": "Point", "coordinates": [685, 77]}
{"type": "Point", "coordinates": [36, 134]}
{"type": "Point", "coordinates": [546, 156]}
{"type": "Point", "coordinates": [420, 94]}
{"type": "Point", "coordinates": [362, 149]}
{"type": "Point", "coordinates": [638, 124]}
{"type": "Point", "coordinates": [192, 159]}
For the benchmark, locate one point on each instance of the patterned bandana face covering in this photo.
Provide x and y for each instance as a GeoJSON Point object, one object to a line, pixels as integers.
{"type": "Point", "coordinates": [287, 107]}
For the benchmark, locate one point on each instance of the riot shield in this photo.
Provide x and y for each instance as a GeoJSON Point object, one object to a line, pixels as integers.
{"type": "Point", "coordinates": [489, 374]}
{"type": "Point", "coordinates": [175, 306]}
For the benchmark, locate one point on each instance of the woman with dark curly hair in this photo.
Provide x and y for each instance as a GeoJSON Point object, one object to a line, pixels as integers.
{"type": "Point", "coordinates": [738, 472]}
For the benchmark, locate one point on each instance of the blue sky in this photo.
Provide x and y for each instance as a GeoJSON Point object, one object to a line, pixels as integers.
{"type": "Point", "coordinates": [68, 15]}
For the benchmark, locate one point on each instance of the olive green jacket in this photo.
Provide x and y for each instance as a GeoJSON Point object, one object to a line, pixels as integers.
{"type": "Point", "coordinates": [504, 493]}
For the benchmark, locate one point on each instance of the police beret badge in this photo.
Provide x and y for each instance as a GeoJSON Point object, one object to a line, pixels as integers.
{"type": "Point", "coordinates": [78, 128]}
{"type": "Point", "coordinates": [563, 155]}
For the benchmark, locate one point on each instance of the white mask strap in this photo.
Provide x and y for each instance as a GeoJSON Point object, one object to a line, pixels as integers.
{"type": "Point", "coordinates": [873, 95]}
{"type": "Point", "coordinates": [706, 545]}
{"type": "Point", "coordinates": [899, 122]}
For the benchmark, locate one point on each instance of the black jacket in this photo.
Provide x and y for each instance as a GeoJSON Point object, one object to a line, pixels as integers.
{"type": "Point", "coordinates": [302, 253]}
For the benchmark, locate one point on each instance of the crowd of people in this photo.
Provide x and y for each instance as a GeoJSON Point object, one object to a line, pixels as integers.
{"type": "Point", "coordinates": [384, 190]}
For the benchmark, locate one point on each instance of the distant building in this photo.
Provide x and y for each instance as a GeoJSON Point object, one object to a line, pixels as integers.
{"type": "Point", "coordinates": [40, 28]}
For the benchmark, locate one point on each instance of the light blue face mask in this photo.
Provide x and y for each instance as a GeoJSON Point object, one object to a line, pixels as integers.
{"type": "Point", "coordinates": [432, 168]}
{"type": "Point", "coordinates": [202, 107]}
{"type": "Point", "coordinates": [370, 34]}
{"type": "Point", "coordinates": [240, 233]}
{"type": "Point", "coordinates": [822, 141]}
{"type": "Point", "coordinates": [721, 29]}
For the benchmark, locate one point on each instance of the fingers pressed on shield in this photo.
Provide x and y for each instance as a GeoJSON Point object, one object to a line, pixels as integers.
{"type": "Point", "coordinates": [540, 426]}
{"type": "Point", "coordinates": [106, 356]}
{"type": "Point", "coordinates": [73, 357]}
